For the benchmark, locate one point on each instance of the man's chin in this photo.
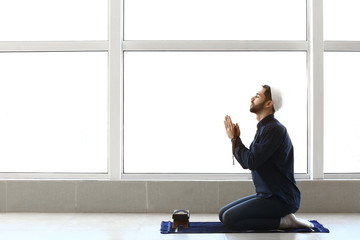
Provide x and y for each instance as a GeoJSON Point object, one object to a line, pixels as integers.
{"type": "Point", "coordinates": [254, 110]}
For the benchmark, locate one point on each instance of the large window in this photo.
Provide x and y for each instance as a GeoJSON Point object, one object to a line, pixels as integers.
{"type": "Point", "coordinates": [53, 112]}
{"type": "Point", "coordinates": [341, 18]}
{"type": "Point", "coordinates": [175, 104]}
{"type": "Point", "coordinates": [342, 128]}
{"type": "Point", "coordinates": [187, 64]}
{"type": "Point", "coordinates": [341, 83]}
{"type": "Point", "coordinates": [123, 89]}
{"type": "Point", "coordinates": [214, 20]}
{"type": "Point", "coordinates": [55, 20]}
{"type": "Point", "coordinates": [54, 84]}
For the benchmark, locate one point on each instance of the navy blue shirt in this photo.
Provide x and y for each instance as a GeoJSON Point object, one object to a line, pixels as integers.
{"type": "Point", "coordinates": [270, 158]}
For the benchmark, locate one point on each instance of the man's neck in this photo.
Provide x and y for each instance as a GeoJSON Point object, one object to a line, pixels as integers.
{"type": "Point", "coordinates": [261, 115]}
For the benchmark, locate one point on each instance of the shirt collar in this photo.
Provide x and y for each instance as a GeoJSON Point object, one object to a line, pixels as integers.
{"type": "Point", "coordinates": [266, 120]}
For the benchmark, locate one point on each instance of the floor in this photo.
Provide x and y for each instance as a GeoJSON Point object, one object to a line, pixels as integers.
{"type": "Point", "coordinates": [54, 226]}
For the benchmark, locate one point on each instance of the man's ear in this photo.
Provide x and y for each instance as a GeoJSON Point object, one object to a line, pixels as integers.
{"type": "Point", "coordinates": [269, 104]}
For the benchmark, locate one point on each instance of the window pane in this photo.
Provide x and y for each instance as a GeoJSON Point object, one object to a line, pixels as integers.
{"type": "Point", "coordinates": [341, 125]}
{"type": "Point", "coordinates": [42, 20]}
{"type": "Point", "coordinates": [215, 20]}
{"type": "Point", "coordinates": [175, 104]}
{"type": "Point", "coordinates": [53, 112]}
{"type": "Point", "coordinates": [341, 20]}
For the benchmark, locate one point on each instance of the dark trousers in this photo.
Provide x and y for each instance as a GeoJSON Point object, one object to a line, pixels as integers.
{"type": "Point", "coordinates": [254, 213]}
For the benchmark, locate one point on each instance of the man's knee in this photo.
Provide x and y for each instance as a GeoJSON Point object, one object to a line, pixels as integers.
{"type": "Point", "coordinates": [220, 216]}
{"type": "Point", "coordinates": [221, 213]}
{"type": "Point", "coordinates": [228, 218]}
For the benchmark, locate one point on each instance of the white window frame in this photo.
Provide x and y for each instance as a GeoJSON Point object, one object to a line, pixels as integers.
{"type": "Point", "coordinates": [341, 46]}
{"type": "Point", "coordinates": [206, 46]}
{"type": "Point", "coordinates": [314, 46]}
{"type": "Point", "coordinates": [112, 47]}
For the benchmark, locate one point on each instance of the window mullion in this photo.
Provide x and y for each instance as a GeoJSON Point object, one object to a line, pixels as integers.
{"type": "Point", "coordinates": [214, 45]}
{"type": "Point", "coordinates": [342, 46]}
{"type": "Point", "coordinates": [114, 139]}
{"type": "Point", "coordinates": [54, 46]}
{"type": "Point", "coordinates": [316, 88]}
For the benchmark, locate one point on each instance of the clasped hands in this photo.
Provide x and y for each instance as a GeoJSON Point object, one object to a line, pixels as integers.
{"type": "Point", "coordinates": [232, 130]}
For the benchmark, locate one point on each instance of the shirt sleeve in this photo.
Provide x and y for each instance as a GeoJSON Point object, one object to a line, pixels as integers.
{"type": "Point", "coordinates": [261, 149]}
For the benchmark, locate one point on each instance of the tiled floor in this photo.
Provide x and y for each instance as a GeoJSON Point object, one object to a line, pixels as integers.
{"type": "Point", "coordinates": [38, 226]}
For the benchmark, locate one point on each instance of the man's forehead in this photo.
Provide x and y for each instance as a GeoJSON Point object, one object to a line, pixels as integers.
{"type": "Point", "coordinates": [261, 92]}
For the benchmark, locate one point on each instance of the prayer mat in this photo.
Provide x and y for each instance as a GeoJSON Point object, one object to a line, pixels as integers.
{"type": "Point", "coordinates": [218, 227]}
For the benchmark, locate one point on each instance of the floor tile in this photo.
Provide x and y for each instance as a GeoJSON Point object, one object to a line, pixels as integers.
{"type": "Point", "coordinates": [111, 226]}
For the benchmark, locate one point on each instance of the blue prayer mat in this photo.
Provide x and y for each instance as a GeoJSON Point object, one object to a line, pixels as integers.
{"type": "Point", "coordinates": [218, 227]}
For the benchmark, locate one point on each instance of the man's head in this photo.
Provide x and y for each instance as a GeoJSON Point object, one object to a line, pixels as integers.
{"type": "Point", "coordinates": [267, 100]}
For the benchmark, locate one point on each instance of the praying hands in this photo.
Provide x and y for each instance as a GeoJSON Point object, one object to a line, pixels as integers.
{"type": "Point", "coordinates": [232, 130]}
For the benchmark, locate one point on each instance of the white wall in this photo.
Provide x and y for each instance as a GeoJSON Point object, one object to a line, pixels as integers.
{"type": "Point", "coordinates": [161, 196]}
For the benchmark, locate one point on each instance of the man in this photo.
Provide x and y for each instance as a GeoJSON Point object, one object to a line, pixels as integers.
{"type": "Point", "coordinates": [270, 158]}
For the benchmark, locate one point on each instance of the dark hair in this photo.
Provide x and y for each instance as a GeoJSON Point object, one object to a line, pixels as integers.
{"type": "Point", "coordinates": [267, 92]}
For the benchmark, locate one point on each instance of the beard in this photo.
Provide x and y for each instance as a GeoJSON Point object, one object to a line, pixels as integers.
{"type": "Point", "coordinates": [256, 108]}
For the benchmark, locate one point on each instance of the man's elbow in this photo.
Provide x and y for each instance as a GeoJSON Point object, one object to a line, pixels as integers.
{"type": "Point", "coordinates": [252, 165]}
{"type": "Point", "coordinates": [252, 168]}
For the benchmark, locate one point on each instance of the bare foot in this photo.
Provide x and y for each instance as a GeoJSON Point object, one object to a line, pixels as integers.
{"type": "Point", "coordinates": [291, 221]}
